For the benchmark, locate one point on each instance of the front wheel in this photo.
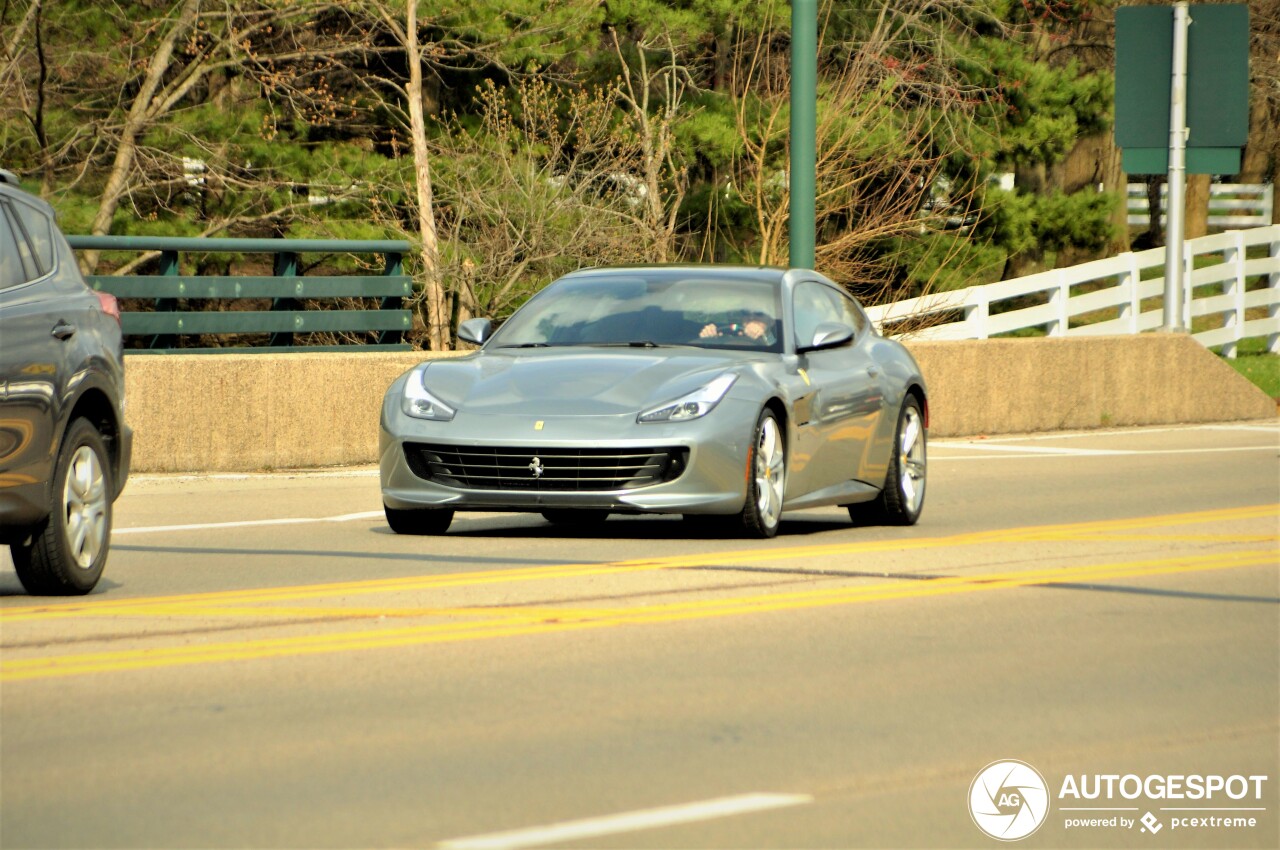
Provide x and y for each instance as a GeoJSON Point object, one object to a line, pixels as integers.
{"type": "Point", "coordinates": [767, 479]}
{"type": "Point", "coordinates": [902, 499]}
{"type": "Point", "coordinates": [418, 521]}
{"type": "Point", "coordinates": [66, 553]}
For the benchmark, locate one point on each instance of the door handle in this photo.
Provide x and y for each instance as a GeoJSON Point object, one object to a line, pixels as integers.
{"type": "Point", "coordinates": [63, 330]}
{"type": "Point", "coordinates": [873, 371]}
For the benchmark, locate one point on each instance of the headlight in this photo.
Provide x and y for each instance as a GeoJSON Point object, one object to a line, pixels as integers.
{"type": "Point", "coordinates": [698, 403]}
{"type": "Point", "coordinates": [421, 404]}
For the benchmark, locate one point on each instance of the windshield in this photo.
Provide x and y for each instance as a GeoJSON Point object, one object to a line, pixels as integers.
{"type": "Point", "coordinates": [642, 311]}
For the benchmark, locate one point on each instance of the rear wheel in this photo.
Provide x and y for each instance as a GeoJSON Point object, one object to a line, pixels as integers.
{"type": "Point", "coordinates": [66, 553]}
{"type": "Point", "coordinates": [902, 499]}
{"type": "Point", "coordinates": [418, 520]}
{"type": "Point", "coordinates": [768, 468]}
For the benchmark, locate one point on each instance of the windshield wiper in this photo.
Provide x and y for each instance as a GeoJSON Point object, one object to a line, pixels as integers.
{"type": "Point", "coordinates": [527, 345]}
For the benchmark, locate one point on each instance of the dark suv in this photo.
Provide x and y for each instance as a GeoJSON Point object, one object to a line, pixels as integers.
{"type": "Point", "coordinates": [64, 445]}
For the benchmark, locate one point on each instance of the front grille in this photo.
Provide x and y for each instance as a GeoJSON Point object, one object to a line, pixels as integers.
{"type": "Point", "coordinates": [545, 467]}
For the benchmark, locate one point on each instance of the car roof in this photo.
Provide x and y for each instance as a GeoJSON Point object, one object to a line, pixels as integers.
{"type": "Point", "coordinates": [775, 275]}
{"type": "Point", "coordinates": [767, 273]}
{"type": "Point", "coordinates": [725, 272]}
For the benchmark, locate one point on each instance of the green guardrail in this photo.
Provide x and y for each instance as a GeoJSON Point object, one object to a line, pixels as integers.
{"type": "Point", "coordinates": [175, 318]}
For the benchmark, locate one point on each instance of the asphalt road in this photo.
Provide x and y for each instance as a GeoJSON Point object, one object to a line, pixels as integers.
{"type": "Point", "coordinates": [266, 665]}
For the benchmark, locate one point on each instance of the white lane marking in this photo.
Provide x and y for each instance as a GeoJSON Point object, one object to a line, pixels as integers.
{"type": "Point", "coordinates": [1045, 450]}
{"type": "Point", "coordinates": [205, 526]}
{"type": "Point", "coordinates": [359, 515]}
{"type": "Point", "coordinates": [1111, 432]}
{"type": "Point", "coordinates": [345, 472]}
{"type": "Point", "coordinates": [626, 822]}
{"type": "Point", "coordinates": [1040, 454]}
{"type": "Point", "coordinates": [1261, 429]}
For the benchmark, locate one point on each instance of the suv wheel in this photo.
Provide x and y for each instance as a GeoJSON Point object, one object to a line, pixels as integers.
{"type": "Point", "coordinates": [65, 554]}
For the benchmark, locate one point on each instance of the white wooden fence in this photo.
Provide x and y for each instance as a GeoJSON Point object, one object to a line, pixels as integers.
{"type": "Point", "coordinates": [1232, 293]}
{"type": "Point", "coordinates": [1231, 205]}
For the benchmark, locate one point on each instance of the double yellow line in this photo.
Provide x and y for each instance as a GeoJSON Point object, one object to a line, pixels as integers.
{"type": "Point", "coordinates": [479, 623]}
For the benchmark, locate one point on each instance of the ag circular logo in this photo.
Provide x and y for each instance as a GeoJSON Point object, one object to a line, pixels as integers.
{"type": "Point", "coordinates": [1008, 800]}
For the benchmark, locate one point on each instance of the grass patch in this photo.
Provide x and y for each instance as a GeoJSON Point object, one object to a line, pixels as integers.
{"type": "Point", "coordinates": [1261, 368]}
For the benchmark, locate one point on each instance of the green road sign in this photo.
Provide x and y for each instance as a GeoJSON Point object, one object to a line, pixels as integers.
{"type": "Point", "coordinates": [1217, 87]}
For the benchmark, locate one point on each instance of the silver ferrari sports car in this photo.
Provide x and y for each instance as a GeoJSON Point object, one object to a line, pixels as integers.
{"type": "Point", "coordinates": [700, 390]}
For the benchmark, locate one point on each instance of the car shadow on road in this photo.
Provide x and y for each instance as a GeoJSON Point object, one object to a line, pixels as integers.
{"type": "Point", "coordinates": [433, 557]}
{"type": "Point", "coordinates": [10, 586]}
{"type": "Point", "coordinates": [638, 527]}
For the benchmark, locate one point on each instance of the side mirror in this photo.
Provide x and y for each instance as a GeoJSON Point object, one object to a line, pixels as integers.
{"type": "Point", "coordinates": [828, 335]}
{"type": "Point", "coordinates": [475, 331]}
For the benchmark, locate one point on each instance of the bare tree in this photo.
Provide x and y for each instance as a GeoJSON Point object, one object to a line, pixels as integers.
{"type": "Point", "coordinates": [433, 46]}
{"type": "Point", "coordinates": [549, 182]}
{"type": "Point", "coordinates": [885, 131]}
{"type": "Point", "coordinates": [28, 95]}
{"type": "Point", "coordinates": [406, 34]}
{"type": "Point", "coordinates": [173, 64]}
{"type": "Point", "coordinates": [1262, 153]}
{"type": "Point", "coordinates": [148, 104]}
{"type": "Point", "coordinates": [653, 99]}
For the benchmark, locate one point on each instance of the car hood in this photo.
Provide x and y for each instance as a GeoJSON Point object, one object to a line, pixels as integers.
{"type": "Point", "coordinates": [588, 382]}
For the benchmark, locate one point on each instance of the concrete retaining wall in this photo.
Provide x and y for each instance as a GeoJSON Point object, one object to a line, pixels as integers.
{"type": "Point", "coordinates": [250, 412]}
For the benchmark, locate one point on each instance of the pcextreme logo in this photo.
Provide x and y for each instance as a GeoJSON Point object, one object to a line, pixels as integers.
{"type": "Point", "coordinates": [1008, 800]}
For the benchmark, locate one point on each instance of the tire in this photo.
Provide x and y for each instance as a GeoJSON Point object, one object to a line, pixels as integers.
{"type": "Point", "coordinates": [573, 516]}
{"type": "Point", "coordinates": [419, 521]}
{"type": "Point", "coordinates": [66, 553]}
{"type": "Point", "coordinates": [902, 499]}
{"type": "Point", "coordinates": [767, 483]}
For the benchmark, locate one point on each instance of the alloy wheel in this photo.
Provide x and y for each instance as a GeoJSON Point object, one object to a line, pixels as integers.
{"type": "Point", "coordinates": [770, 472]}
{"type": "Point", "coordinates": [84, 500]}
{"type": "Point", "coordinates": [911, 459]}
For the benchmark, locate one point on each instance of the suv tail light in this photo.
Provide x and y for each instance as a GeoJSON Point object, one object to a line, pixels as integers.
{"type": "Point", "coordinates": [110, 305]}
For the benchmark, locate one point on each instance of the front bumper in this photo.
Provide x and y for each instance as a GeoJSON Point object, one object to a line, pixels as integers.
{"type": "Point", "coordinates": [713, 449]}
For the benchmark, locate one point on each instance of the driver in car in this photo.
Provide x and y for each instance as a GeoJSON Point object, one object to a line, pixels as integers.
{"type": "Point", "coordinates": [753, 325]}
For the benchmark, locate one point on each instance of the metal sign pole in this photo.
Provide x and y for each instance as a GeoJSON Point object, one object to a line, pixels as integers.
{"type": "Point", "coordinates": [1177, 180]}
{"type": "Point", "coordinates": [802, 180]}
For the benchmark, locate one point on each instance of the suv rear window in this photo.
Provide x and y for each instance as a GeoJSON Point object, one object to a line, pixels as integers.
{"type": "Point", "coordinates": [11, 272]}
{"type": "Point", "coordinates": [39, 233]}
